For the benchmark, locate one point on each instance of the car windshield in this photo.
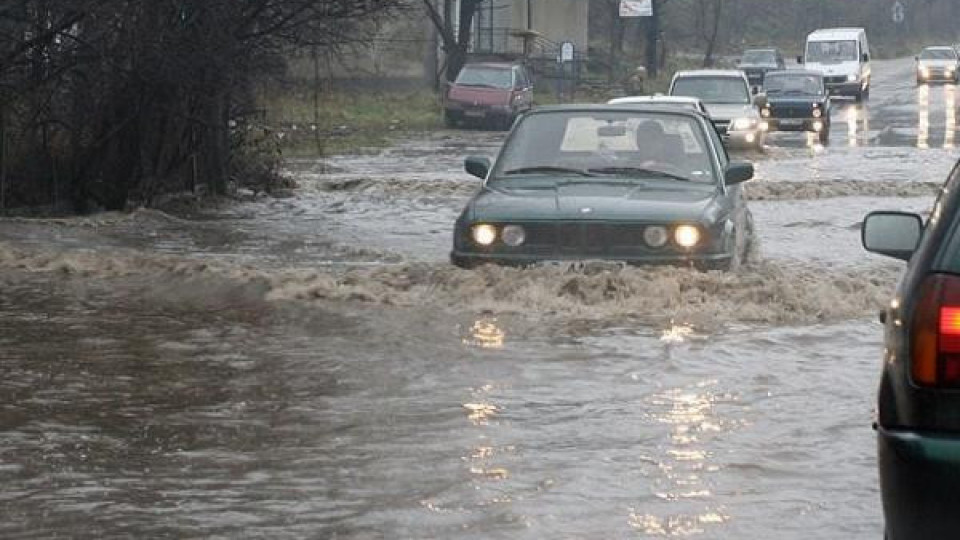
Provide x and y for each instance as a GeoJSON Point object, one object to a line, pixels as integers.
{"type": "Point", "coordinates": [759, 58]}
{"type": "Point", "coordinates": [485, 76]}
{"type": "Point", "coordinates": [783, 83]}
{"type": "Point", "coordinates": [713, 89]}
{"type": "Point", "coordinates": [621, 145]}
{"type": "Point", "coordinates": [832, 51]}
{"type": "Point", "coordinates": [938, 54]}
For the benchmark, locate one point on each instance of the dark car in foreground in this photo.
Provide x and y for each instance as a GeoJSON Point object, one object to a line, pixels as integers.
{"type": "Point", "coordinates": [614, 182]}
{"type": "Point", "coordinates": [489, 94]}
{"type": "Point", "coordinates": [797, 101]}
{"type": "Point", "coordinates": [756, 63]}
{"type": "Point", "coordinates": [918, 405]}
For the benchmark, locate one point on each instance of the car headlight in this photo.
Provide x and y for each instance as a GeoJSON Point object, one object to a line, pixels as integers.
{"type": "Point", "coordinates": [817, 113]}
{"type": "Point", "coordinates": [484, 234]}
{"type": "Point", "coordinates": [513, 235]}
{"type": "Point", "coordinates": [765, 112]}
{"type": "Point", "coordinates": [852, 77]}
{"type": "Point", "coordinates": [656, 236]}
{"type": "Point", "coordinates": [687, 236]}
{"type": "Point", "coordinates": [741, 124]}
{"type": "Point", "coordinates": [925, 71]}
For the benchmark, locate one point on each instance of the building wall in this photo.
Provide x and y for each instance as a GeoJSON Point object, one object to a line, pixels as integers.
{"type": "Point", "coordinates": [556, 20]}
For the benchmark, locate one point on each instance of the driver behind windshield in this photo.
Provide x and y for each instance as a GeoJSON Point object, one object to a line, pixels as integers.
{"type": "Point", "coordinates": [656, 149]}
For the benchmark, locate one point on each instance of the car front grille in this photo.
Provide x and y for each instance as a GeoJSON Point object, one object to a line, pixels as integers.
{"type": "Point", "coordinates": [805, 111]}
{"type": "Point", "coordinates": [585, 239]}
{"type": "Point", "coordinates": [835, 79]}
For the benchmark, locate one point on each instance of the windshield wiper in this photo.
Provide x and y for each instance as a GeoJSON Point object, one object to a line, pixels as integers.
{"type": "Point", "coordinates": [547, 169]}
{"type": "Point", "coordinates": [640, 171]}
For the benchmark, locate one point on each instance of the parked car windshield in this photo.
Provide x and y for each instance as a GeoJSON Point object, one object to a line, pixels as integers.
{"type": "Point", "coordinates": [759, 57]}
{"type": "Point", "coordinates": [713, 89]}
{"type": "Point", "coordinates": [832, 51]}
{"type": "Point", "coordinates": [629, 145]}
{"type": "Point", "coordinates": [791, 83]}
{"type": "Point", "coordinates": [938, 54]}
{"type": "Point", "coordinates": [485, 76]}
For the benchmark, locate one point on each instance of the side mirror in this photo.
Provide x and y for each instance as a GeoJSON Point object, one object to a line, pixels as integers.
{"type": "Point", "coordinates": [799, 59]}
{"type": "Point", "coordinates": [477, 166]}
{"type": "Point", "coordinates": [866, 57]}
{"type": "Point", "coordinates": [738, 172]}
{"type": "Point", "coordinates": [894, 234]}
{"type": "Point", "coordinates": [916, 58]}
{"type": "Point", "coordinates": [755, 90]}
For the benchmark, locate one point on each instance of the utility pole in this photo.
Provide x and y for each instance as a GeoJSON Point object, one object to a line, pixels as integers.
{"type": "Point", "coordinates": [653, 38]}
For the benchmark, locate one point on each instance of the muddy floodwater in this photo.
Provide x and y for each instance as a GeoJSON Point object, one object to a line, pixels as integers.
{"type": "Point", "coordinates": [313, 367]}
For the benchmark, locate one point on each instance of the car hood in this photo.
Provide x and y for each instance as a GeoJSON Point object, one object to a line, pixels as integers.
{"type": "Point", "coordinates": [476, 95]}
{"type": "Point", "coordinates": [835, 69]}
{"type": "Point", "coordinates": [614, 201]}
{"type": "Point", "coordinates": [937, 63]}
{"type": "Point", "coordinates": [794, 99]}
{"type": "Point", "coordinates": [724, 111]}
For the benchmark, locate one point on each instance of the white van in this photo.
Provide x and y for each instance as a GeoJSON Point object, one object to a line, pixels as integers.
{"type": "Point", "coordinates": [843, 56]}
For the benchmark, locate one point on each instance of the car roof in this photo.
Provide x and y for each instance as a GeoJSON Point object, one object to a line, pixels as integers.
{"type": "Point", "coordinates": [711, 73]}
{"type": "Point", "coordinates": [828, 33]}
{"type": "Point", "coordinates": [940, 48]}
{"type": "Point", "coordinates": [686, 100]}
{"type": "Point", "coordinates": [804, 72]}
{"type": "Point", "coordinates": [761, 49]}
{"type": "Point", "coordinates": [606, 107]}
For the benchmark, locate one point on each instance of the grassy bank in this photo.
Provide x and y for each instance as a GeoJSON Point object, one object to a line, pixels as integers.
{"type": "Point", "coordinates": [341, 121]}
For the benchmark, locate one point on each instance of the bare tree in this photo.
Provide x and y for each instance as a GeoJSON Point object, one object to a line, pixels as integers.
{"type": "Point", "coordinates": [455, 44]}
{"type": "Point", "coordinates": [113, 100]}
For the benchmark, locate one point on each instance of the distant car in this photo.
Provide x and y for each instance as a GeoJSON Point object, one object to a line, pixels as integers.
{"type": "Point", "coordinates": [938, 64]}
{"type": "Point", "coordinates": [756, 63]}
{"type": "Point", "coordinates": [664, 101]}
{"type": "Point", "coordinates": [649, 185]}
{"type": "Point", "coordinates": [843, 56]}
{"type": "Point", "coordinates": [918, 404]}
{"type": "Point", "coordinates": [728, 98]}
{"type": "Point", "coordinates": [797, 101]}
{"type": "Point", "coordinates": [488, 94]}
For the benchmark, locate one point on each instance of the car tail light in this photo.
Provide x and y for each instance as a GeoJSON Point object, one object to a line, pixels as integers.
{"type": "Point", "coordinates": [936, 333]}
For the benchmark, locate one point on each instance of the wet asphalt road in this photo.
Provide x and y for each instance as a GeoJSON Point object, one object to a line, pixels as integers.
{"type": "Point", "coordinates": [311, 367]}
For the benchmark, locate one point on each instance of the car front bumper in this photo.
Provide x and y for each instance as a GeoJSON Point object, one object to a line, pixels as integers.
{"type": "Point", "coordinates": [919, 479]}
{"type": "Point", "coordinates": [795, 124]}
{"type": "Point", "coordinates": [703, 261]}
{"type": "Point", "coordinates": [936, 75]}
{"type": "Point", "coordinates": [744, 139]}
{"type": "Point", "coordinates": [466, 111]}
{"type": "Point", "coordinates": [845, 88]}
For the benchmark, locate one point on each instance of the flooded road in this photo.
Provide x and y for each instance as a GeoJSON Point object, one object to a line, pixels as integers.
{"type": "Point", "coordinates": [312, 367]}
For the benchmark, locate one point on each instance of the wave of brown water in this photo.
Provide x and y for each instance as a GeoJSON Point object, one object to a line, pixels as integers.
{"type": "Point", "coordinates": [758, 191]}
{"type": "Point", "coordinates": [762, 292]}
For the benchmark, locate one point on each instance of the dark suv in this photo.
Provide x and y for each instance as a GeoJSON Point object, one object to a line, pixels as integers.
{"type": "Point", "coordinates": [488, 94]}
{"type": "Point", "coordinates": [757, 62]}
{"type": "Point", "coordinates": [918, 406]}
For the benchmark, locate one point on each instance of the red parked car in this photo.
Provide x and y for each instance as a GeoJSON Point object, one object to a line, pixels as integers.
{"type": "Point", "coordinates": [488, 94]}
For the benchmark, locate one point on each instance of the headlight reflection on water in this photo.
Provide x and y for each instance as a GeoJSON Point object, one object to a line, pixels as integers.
{"type": "Point", "coordinates": [690, 413]}
{"type": "Point", "coordinates": [485, 334]}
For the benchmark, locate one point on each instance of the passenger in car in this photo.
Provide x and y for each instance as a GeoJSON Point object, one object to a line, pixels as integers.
{"type": "Point", "coordinates": [656, 148]}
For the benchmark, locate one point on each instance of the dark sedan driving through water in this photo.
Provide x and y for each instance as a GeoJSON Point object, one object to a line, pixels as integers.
{"type": "Point", "coordinates": [626, 183]}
